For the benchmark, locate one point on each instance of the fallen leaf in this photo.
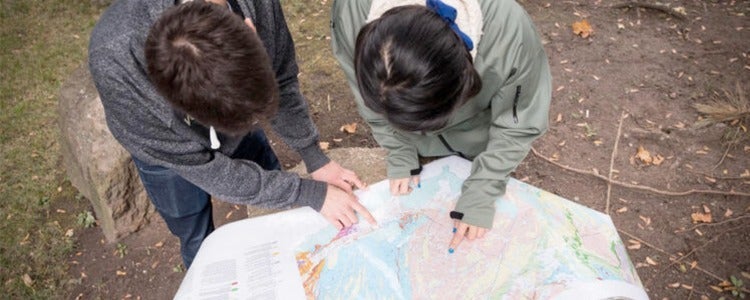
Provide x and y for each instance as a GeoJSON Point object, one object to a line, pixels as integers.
{"type": "Point", "coordinates": [121, 273]}
{"type": "Point", "coordinates": [634, 245]}
{"type": "Point", "coordinates": [658, 159]}
{"type": "Point", "coordinates": [693, 264]}
{"type": "Point", "coordinates": [598, 142]}
{"type": "Point", "coordinates": [349, 128]}
{"type": "Point", "coordinates": [644, 155]}
{"type": "Point", "coordinates": [324, 145]}
{"type": "Point", "coordinates": [706, 209]}
{"type": "Point", "coordinates": [622, 210]}
{"type": "Point", "coordinates": [69, 233]}
{"type": "Point", "coordinates": [725, 284]}
{"type": "Point", "coordinates": [728, 213]}
{"type": "Point", "coordinates": [701, 217]}
{"type": "Point", "coordinates": [716, 288]}
{"type": "Point", "coordinates": [27, 280]}
{"type": "Point", "coordinates": [582, 28]}
{"type": "Point", "coordinates": [650, 261]}
{"type": "Point", "coordinates": [159, 244]}
{"type": "Point", "coordinates": [559, 118]}
{"type": "Point", "coordinates": [646, 220]}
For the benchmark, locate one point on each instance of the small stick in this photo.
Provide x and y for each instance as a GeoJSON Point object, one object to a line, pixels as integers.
{"type": "Point", "coordinates": [714, 224]}
{"type": "Point", "coordinates": [699, 268]}
{"type": "Point", "coordinates": [660, 7]}
{"type": "Point", "coordinates": [638, 187]}
{"type": "Point", "coordinates": [719, 177]}
{"type": "Point", "coordinates": [713, 239]}
{"type": "Point", "coordinates": [612, 162]}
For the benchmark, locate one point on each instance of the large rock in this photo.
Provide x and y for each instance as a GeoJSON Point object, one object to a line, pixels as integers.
{"type": "Point", "coordinates": [96, 163]}
{"type": "Point", "coordinates": [368, 163]}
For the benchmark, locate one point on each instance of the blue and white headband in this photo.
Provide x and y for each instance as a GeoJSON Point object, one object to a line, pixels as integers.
{"type": "Point", "coordinates": [448, 14]}
{"type": "Point", "coordinates": [464, 16]}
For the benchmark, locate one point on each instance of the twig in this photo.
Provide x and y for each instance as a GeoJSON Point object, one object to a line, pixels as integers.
{"type": "Point", "coordinates": [670, 256]}
{"type": "Point", "coordinates": [729, 147]}
{"type": "Point", "coordinates": [713, 239]}
{"type": "Point", "coordinates": [655, 6]}
{"type": "Point", "coordinates": [612, 161]}
{"type": "Point", "coordinates": [719, 177]}
{"type": "Point", "coordinates": [692, 289]}
{"type": "Point", "coordinates": [635, 186]}
{"type": "Point", "coordinates": [714, 224]}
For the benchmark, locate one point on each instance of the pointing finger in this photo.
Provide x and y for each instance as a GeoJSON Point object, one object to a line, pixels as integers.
{"type": "Point", "coordinates": [359, 208]}
{"type": "Point", "coordinates": [458, 236]}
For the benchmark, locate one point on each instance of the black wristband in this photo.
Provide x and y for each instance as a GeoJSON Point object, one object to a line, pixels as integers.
{"type": "Point", "coordinates": [416, 171]}
{"type": "Point", "coordinates": [456, 215]}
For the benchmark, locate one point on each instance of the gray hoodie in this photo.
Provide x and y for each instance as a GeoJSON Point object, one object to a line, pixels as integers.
{"type": "Point", "coordinates": [147, 126]}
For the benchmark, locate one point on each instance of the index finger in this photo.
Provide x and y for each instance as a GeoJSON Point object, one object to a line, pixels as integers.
{"type": "Point", "coordinates": [458, 236]}
{"type": "Point", "coordinates": [359, 208]}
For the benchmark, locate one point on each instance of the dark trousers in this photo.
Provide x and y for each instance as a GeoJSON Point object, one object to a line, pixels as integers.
{"type": "Point", "coordinates": [185, 207]}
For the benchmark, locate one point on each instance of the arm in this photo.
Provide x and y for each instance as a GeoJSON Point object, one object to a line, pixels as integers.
{"type": "Point", "coordinates": [143, 125]}
{"type": "Point", "coordinates": [347, 19]}
{"type": "Point", "coordinates": [292, 122]}
{"type": "Point", "coordinates": [511, 135]}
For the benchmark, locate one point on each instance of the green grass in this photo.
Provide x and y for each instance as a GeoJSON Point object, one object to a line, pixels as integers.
{"type": "Point", "coordinates": [41, 42]}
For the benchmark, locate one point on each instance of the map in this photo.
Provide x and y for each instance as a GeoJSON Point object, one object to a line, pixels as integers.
{"type": "Point", "coordinates": [541, 246]}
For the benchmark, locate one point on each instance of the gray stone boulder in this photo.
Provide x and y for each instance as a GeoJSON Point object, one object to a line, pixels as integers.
{"type": "Point", "coordinates": [95, 162]}
{"type": "Point", "coordinates": [368, 163]}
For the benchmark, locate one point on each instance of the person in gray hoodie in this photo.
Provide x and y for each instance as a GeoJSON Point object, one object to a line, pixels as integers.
{"type": "Point", "coordinates": [184, 86]}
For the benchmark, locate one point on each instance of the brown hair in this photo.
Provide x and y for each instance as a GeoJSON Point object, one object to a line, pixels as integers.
{"type": "Point", "coordinates": [209, 64]}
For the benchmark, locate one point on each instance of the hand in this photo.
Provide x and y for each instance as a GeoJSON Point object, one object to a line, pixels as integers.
{"type": "Point", "coordinates": [404, 186]}
{"type": "Point", "coordinates": [333, 173]}
{"type": "Point", "coordinates": [339, 208]}
{"type": "Point", "coordinates": [462, 230]}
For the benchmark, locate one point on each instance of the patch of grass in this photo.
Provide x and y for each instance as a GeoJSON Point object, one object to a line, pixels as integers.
{"type": "Point", "coordinates": [42, 43]}
{"type": "Point", "coordinates": [309, 24]}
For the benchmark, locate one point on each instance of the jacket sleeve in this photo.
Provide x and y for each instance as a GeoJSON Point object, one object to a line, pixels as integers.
{"type": "Point", "coordinates": [347, 18]}
{"type": "Point", "coordinates": [292, 121]}
{"type": "Point", "coordinates": [519, 115]}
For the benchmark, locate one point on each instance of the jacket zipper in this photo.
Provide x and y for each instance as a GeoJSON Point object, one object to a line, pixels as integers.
{"type": "Point", "coordinates": [515, 104]}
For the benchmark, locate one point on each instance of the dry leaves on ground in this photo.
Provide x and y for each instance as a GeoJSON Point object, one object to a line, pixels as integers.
{"type": "Point", "coordinates": [349, 128]}
{"type": "Point", "coordinates": [582, 28]}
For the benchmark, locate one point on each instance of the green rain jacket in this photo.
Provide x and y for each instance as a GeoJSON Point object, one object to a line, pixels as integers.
{"type": "Point", "coordinates": [494, 129]}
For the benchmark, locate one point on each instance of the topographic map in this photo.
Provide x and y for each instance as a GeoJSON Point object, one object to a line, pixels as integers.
{"type": "Point", "coordinates": [541, 246]}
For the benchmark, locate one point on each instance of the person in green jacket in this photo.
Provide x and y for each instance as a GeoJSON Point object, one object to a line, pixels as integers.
{"type": "Point", "coordinates": [451, 77]}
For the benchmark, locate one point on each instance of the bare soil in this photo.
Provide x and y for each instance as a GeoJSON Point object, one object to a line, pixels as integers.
{"type": "Point", "coordinates": [642, 68]}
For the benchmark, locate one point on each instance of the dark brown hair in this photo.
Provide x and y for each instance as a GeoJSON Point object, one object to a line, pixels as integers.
{"type": "Point", "coordinates": [412, 68]}
{"type": "Point", "coordinates": [209, 64]}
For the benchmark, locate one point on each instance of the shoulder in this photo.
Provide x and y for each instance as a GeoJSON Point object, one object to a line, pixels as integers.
{"type": "Point", "coordinates": [350, 12]}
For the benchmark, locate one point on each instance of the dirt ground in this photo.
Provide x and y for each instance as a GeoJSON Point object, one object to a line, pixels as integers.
{"type": "Point", "coordinates": [632, 83]}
